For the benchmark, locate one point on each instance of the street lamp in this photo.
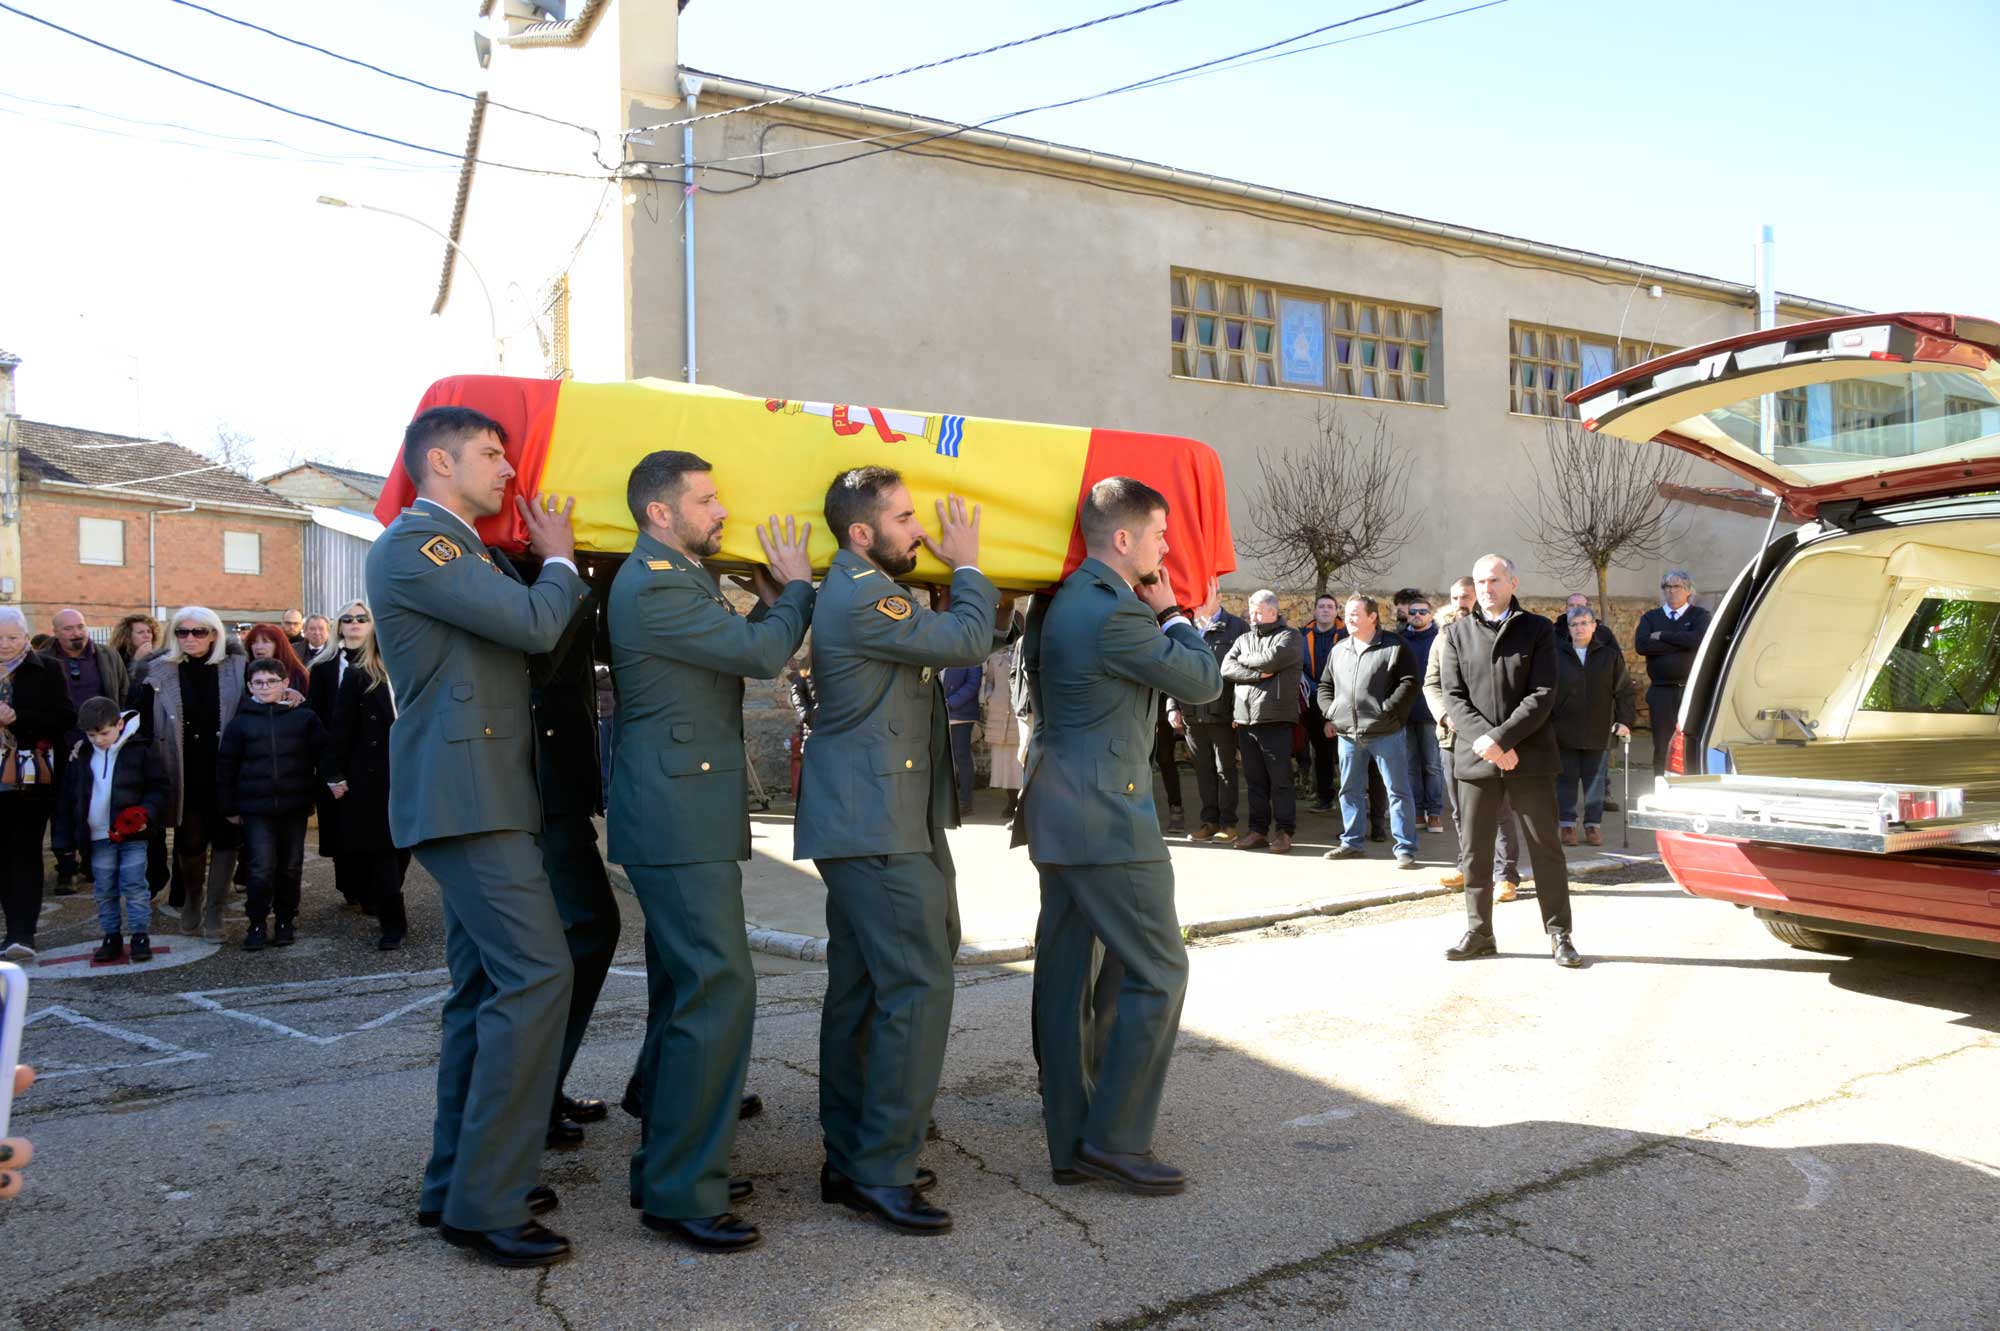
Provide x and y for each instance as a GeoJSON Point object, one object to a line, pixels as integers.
{"type": "Point", "coordinates": [492, 319]}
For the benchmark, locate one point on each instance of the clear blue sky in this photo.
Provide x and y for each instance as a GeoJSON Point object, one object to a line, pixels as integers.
{"type": "Point", "coordinates": [164, 288]}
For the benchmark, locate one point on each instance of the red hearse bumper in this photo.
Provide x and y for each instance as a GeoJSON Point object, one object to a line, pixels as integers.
{"type": "Point", "coordinates": [1948, 898]}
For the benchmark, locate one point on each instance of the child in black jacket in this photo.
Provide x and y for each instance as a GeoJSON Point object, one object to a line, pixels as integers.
{"type": "Point", "coordinates": [113, 790]}
{"type": "Point", "coordinates": [271, 762]}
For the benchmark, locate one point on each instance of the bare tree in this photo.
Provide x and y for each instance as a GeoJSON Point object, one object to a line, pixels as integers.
{"type": "Point", "coordinates": [1599, 503]}
{"type": "Point", "coordinates": [233, 449]}
{"type": "Point", "coordinates": [1338, 505]}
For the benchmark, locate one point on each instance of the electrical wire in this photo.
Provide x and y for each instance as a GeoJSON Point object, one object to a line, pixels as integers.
{"type": "Point", "coordinates": [286, 110]}
{"type": "Point", "coordinates": [908, 69]}
{"type": "Point", "coordinates": [205, 133]}
{"type": "Point", "coordinates": [392, 74]}
{"type": "Point", "coordinates": [1278, 55]}
{"type": "Point", "coordinates": [957, 130]}
{"type": "Point", "coordinates": [304, 157]}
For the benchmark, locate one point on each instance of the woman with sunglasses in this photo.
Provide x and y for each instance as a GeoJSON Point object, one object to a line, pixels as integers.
{"type": "Point", "coordinates": [329, 667]}
{"type": "Point", "coordinates": [188, 697]}
{"type": "Point", "coordinates": [363, 712]}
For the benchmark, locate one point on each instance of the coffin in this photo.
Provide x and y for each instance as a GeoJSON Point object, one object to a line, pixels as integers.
{"type": "Point", "coordinates": [775, 455]}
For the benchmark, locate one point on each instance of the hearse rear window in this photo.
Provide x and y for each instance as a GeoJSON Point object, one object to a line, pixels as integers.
{"type": "Point", "coordinates": [1947, 661]}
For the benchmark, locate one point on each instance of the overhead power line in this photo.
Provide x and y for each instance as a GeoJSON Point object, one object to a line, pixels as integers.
{"type": "Point", "coordinates": [907, 69]}
{"type": "Point", "coordinates": [1155, 80]}
{"type": "Point", "coordinates": [286, 110]}
{"type": "Point", "coordinates": [389, 73]}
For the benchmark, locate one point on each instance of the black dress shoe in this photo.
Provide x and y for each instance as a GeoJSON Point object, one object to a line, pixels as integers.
{"type": "Point", "coordinates": [750, 1106]}
{"type": "Point", "coordinates": [564, 1133]}
{"type": "Point", "coordinates": [1139, 1173]}
{"type": "Point", "coordinates": [739, 1191]}
{"type": "Point", "coordinates": [1474, 944]}
{"type": "Point", "coordinates": [832, 1181]}
{"type": "Point", "coordinates": [542, 1199]}
{"type": "Point", "coordinates": [716, 1233]}
{"type": "Point", "coordinates": [523, 1245]}
{"type": "Point", "coordinates": [1564, 951]}
{"type": "Point", "coordinates": [587, 1110]}
{"type": "Point", "coordinates": [901, 1208]}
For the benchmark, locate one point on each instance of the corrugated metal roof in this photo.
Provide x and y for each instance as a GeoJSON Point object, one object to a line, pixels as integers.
{"type": "Point", "coordinates": [61, 454]}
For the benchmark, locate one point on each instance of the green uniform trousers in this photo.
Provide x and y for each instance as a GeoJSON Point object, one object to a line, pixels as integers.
{"type": "Point", "coordinates": [1104, 1065]}
{"type": "Point", "coordinates": [701, 1004]}
{"type": "Point", "coordinates": [891, 923]}
{"type": "Point", "coordinates": [503, 1024]}
{"type": "Point", "coordinates": [590, 920]}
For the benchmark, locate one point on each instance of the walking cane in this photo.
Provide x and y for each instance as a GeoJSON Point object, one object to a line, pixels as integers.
{"type": "Point", "coordinates": [1625, 809]}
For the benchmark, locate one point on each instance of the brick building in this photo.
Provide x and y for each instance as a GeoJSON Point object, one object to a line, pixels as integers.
{"type": "Point", "coordinates": [110, 524]}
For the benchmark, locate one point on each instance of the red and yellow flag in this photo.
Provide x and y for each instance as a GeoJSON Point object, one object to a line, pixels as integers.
{"type": "Point", "coordinates": [773, 455]}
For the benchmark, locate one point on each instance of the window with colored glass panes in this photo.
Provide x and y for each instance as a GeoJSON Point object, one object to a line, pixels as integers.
{"type": "Point", "coordinates": [1224, 330]}
{"type": "Point", "coordinates": [1245, 333]}
{"type": "Point", "coordinates": [1383, 351]}
{"type": "Point", "coordinates": [1548, 364]}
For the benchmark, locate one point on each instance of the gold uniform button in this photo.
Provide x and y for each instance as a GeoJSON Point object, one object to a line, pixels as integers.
{"type": "Point", "coordinates": [909, 762]}
{"type": "Point", "coordinates": [1128, 787]}
{"type": "Point", "coordinates": [550, 733]}
{"type": "Point", "coordinates": [489, 730]}
{"type": "Point", "coordinates": [704, 767]}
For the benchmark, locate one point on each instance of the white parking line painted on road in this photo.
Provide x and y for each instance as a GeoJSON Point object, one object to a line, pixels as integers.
{"type": "Point", "coordinates": [46, 1069]}
{"type": "Point", "coordinates": [208, 1001]}
{"type": "Point", "coordinates": [1323, 1116]}
{"type": "Point", "coordinates": [1819, 1178]}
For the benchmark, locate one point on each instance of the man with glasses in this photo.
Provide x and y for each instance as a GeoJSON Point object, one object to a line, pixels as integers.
{"type": "Point", "coordinates": [89, 670]}
{"type": "Point", "coordinates": [294, 624]}
{"type": "Point", "coordinates": [1667, 637]}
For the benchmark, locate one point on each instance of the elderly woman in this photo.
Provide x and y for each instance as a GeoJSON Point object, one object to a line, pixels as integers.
{"type": "Point", "coordinates": [1003, 730]}
{"type": "Point", "coordinates": [189, 696]}
{"type": "Point", "coordinates": [1593, 703]}
{"type": "Point", "coordinates": [35, 712]}
{"type": "Point", "coordinates": [137, 635]}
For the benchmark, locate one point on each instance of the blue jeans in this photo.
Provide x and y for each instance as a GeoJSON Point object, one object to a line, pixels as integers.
{"type": "Point", "coordinates": [1585, 767]}
{"type": "Point", "coordinates": [1426, 769]}
{"type": "Point", "coordinates": [1390, 755]}
{"type": "Point", "coordinates": [119, 870]}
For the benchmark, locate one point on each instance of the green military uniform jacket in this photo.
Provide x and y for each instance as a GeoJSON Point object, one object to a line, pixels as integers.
{"type": "Point", "coordinates": [1100, 661]}
{"type": "Point", "coordinates": [679, 656]}
{"type": "Point", "coordinates": [455, 633]}
{"type": "Point", "coordinates": [877, 772]}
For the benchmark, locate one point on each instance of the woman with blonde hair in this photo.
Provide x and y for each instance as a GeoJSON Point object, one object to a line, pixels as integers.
{"type": "Point", "coordinates": [364, 711]}
{"type": "Point", "coordinates": [187, 699]}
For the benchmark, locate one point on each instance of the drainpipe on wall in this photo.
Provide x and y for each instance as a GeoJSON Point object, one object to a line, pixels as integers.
{"type": "Point", "coordinates": [152, 562]}
{"type": "Point", "coordinates": [691, 89]}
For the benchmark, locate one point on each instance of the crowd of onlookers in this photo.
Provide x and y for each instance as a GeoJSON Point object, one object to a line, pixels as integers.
{"type": "Point", "coordinates": [1351, 707]}
{"type": "Point", "coordinates": [189, 757]}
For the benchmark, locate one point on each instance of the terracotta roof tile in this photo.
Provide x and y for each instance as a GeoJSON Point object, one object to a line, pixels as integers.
{"type": "Point", "coordinates": [88, 457]}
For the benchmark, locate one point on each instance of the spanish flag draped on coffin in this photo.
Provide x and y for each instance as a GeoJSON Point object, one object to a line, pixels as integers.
{"type": "Point", "coordinates": [778, 456]}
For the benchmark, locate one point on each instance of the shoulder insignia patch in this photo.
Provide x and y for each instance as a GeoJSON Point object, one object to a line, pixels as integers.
{"type": "Point", "coordinates": [894, 607]}
{"type": "Point", "coordinates": [860, 573]}
{"type": "Point", "coordinates": [660, 565]}
{"type": "Point", "coordinates": [440, 550]}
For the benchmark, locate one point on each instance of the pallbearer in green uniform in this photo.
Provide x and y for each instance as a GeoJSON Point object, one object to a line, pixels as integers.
{"type": "Point", "coordinates": [875, 797]}
{"type": "Point", "coordinates": [455, 633]}
{"type": "Point", "coordinates": [680, 824]}
{"type": "Point", "coordinates": [1110, 642]}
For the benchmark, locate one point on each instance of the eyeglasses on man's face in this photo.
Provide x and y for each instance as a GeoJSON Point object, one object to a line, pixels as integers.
{"type": "Point", "coordinates": [1673, 586]}
{"type": "Point", "coordinates": [1420, 610]}
{"type": "Point", "coordinates": [193, 633]}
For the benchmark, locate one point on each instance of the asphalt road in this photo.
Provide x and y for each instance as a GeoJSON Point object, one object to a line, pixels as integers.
{"type": "Point", "coordinates": [1702, 1129]}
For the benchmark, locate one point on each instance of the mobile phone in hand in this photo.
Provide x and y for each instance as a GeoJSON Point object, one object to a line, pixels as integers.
{"type": "Point", "coordinates": [13, 1015]}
